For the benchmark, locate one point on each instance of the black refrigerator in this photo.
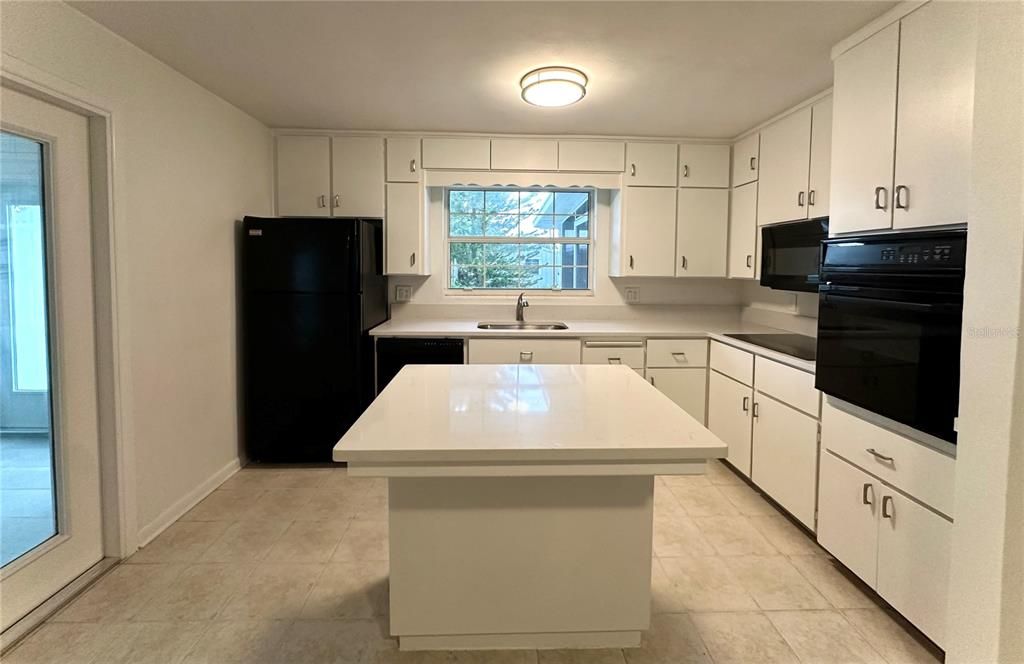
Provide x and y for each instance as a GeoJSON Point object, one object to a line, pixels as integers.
{"type": "Point", "coordinates": [311, 289]}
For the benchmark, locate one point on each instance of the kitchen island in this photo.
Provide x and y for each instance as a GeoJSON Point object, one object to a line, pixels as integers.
{"type": "Point", "coordinates": [521, 500]}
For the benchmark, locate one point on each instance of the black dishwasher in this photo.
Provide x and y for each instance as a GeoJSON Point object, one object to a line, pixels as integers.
{"type": "Point", "coordinates": [393, 353]}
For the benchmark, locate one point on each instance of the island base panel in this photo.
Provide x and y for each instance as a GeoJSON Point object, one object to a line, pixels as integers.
{"type": "Point", "coordinates": [526, 562]}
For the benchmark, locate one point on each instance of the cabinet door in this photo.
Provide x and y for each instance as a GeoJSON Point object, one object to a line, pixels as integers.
{"type": "Point", "coordinates": [524, 154]}
{"type": "Point", "coordinates": [729, 418]}
{"type": "Point", "coordinates": [863, 132]}
{"type": "Point", "coordinates": [935, 112]}
{"type": "Point", "coordinates": [472, 153]}
{"type": "Point", "coordinates": [743, 231]}
{"type": "Point", "coordinates": [651, 164]}
{"type": "Point", "coordinates": [403, 156]}
{"type": "Point", "coordinates": [703, 165]}
{"type": "Point", "coordinates": [783, 173]}
{"type": "Point", "coordinates": [913, 562]}
{"type": "Point", "coordinates": [593, 156]}
{"type": "Point", "coordinates": [784, 457]}
{"type": "Point", "coordinates": [745, 157]}
{"type": "Point", "coordinates": [649, 226]}
{"type": "Point", "coordinates": [524, 351]}
{"type": "Point", "coordinates": [303, 176]}
{"type": "Point", "coordinates": [686, 387]}
{"type": "Point", "coordinates": [702, 232]}
{"type": "Point", "coordinates": [358, 176]}
{"type": "Point", "coordinates": [848, 500]}
{"type": "Point", "coordinates": [405, 231]}
{"type": "Point", "coordinates": [821, 159]}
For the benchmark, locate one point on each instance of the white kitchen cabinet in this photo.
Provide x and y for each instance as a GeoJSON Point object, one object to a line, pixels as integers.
{"type": "Point", "coordinates": [729, 403]}
{"type": "Point", "coordinates": [524, 154]}
{"type": "Point", "coordinates": [784, 170]}
{"type": "Point", "coordinates": [303, 165]}
{"type": "Point", "coordinates": [863, 125]}
{"type": "Point", "coordinates": [819, 178]}
{"type": "Point", "coordinates": [643, 232]}
{"type": "Point", "coordinates": [702, 232]}
{"type": "Point", "coordinates": [848, 503]}
{"type": "Point", "coordinates": [913, 562]}
{"type": "Point", "coordinates": [357, 176]}
{"type": "Point", "coordinates": [736, 363]}
{"type": "Point", "coordinates": [592, 156]}
{"type": "Point", "coordinates": [403, 159]}
{"type": "Point", "coordinates": [651, 164]}
{"type": "Point", "coordinates": [745, 157]}
{"type": "Point", "coordinates": [703, 165]}
{"type": "Point", "coordinates": [523, 351]}
{"type": "Point", "coordinates": [784, 459]}
{"type": "Point", "coordinates": [405, 230]}
{"type": "Point", "coordinates": [934, 115]}
{"type": "Point", "coordinates": [628, 353]}
{"type": "Point", "coordinates": [677, 353]}
{"type": "Point", "coordinates": [686, 387]}
{"type": "Point", "coordinates": [743, 231]}
{"type": "Point", "coordinates": [457, 153]}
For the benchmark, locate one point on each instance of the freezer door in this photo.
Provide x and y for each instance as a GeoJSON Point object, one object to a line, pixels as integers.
{"type": "Point", "coordinates": [300, 255]}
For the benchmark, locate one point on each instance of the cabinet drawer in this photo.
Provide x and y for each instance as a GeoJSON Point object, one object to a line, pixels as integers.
{"type": "Point", "coordinates": [787, 384]}
{"type": "Point", "coordinates": [733, 362]}
{"type": "Point", "coordinates": [918, 470]}
{"type": "Point", "coordinates": [472, 153]}
{"type": "Point", "coordinates": [677, 353]}
{"type": "Point", "coordinates": [524, 351]}
{"type": "Point", "coordinates": [632, 355]}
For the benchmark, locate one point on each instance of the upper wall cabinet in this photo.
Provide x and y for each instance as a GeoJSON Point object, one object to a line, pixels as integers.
{"type": "Point", "coordinates": [651, 164]}
{"type": "Point", "coordinates": [702, 165]}
{"type": "Point", "coordinates": [911, 167]}
{"type": "Point", "coordinates": [357, 185]}
{"type": "Point", "coordinates": [406, 239]}
{"type": "Point", "coordinates": [643, 232]}
{"type": "Point", "coordinates": [702, 232]}
{"type": "Point", "coordinates": [592, 156]}
{"type": "Point", "coordinates": [743, 231]}
{"type": "Point", "coordinates": [793, 178]}
{"type": "Point", "coordinates": [468, 153]}
{"type": "Point", "coordinates": [524, 154]}
{"type": "Point", "coordinates": [303, 176]}
{"type": "Point", "coordinates": [745, 157]}
{"type": "Point", "coordinates": [403, 155]}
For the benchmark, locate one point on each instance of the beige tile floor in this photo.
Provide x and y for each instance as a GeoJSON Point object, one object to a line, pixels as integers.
{"type": "Point", "coordinates": [290, 565]}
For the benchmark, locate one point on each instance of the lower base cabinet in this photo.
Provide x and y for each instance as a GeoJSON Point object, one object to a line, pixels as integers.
{"type": "Point", "coordinates": [729, 404]}
{"type": "Point", "coordinates": [895, 545]}
{"type": "Point", "coordinates": [523, 351]}
{"type": "Point", "coordinates": [686, 387]}
{"type": "Point", "coordinates": [784, 461]}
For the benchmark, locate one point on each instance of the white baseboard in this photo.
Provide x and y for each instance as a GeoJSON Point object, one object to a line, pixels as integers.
{"type": "Point", "coordinates": [148, 532]}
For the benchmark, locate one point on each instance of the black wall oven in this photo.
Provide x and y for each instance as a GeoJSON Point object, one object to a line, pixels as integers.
{"type": "Point", "coordinates": [889, 320]}
{"type": "Point", "coordinates": [791, 254]}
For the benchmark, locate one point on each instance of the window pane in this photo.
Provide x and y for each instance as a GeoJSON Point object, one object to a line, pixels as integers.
{"type": "Point", "coordinates": [502, 201]}
{"type": "Point", "coordinates": [501, 254]}
{"type": "Point", "coordinates": [537, 202]}
{"type": "Point", "coordinates": [502, 276]}
{"type": "Point", "coordinates": [538, 254]}
{"type": "Point", "coordinates": [573, 226]}
{"type": "Point", "coordinates": [501, 225]}
{"type": "Point", "coordinates": [466, 224]}
{"type": "Point", "coordinates": [467, 253]}
{"type": "Point", "coordinates": [538, 277]}
{"type": "Point", "coordinates": [537, 226]}
{"type": "Point", "coordinates": [572, 202]}
{"type": "Point", "coordinates": [467, 276]}
{"type": "Point", "coordinates": [465, 201]}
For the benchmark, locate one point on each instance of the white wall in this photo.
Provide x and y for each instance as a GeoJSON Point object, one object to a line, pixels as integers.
{"type": "Point", "coordinates": [187, 165]}
{"type": "Point", "coordinates": [986, 608]}
{"type": "Point", "coordinates": [787, 310]}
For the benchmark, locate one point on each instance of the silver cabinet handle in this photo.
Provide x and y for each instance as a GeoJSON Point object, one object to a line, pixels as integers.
{"type": "Point", "coordinates": [810, 197]}
{"type": "Point", "coordinates": [652, 381]}
{"type": "Point", "coordinates": [800, 199]}
{"type": "Point", "coordinates": [631, 261]}
{"type": "Point", "coordinates": [682, 262]}
{"type": "Point", "coordinates": [753, 163]}
{"type": "Point", "coordinates": [336, 201]}
{"type": "Point", "coordinates": [887, 502]}
{"type": "Point", "coordinates": [675, 356]}
{"type": "Point", "coordinates": [881, 198]}
{"type": "Point", "coordinates": [321, 201]}
{"type": "Point", "coordinates": [632, 170]}
{"type": "Point", "coordinates": [412, 259]}
{"type": "Point", "coordinates": [746, 404]}
{"type": "Point", "coordinates": [864, 494]}
{"type": "Point", "coordinates": [686, 170]}
{"type": "Point", "coordinates": [879, 456]}
{"type": "Point", "coordinates": [754, 411]}
{"type": "Point", "coordinates": [526, 356]}
{"type": "Point", "coordinates": [902, 201]}
{"type": "Point", "coordinates": [614, 360]}
{"type": "Point", "coordinates": [750, 261]}
{"type": "Point", "coordinates": [412, 166]}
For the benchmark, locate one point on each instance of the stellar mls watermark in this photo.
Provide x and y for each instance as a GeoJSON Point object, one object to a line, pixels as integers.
{"type": "Point", "coordinates": [986, 332]}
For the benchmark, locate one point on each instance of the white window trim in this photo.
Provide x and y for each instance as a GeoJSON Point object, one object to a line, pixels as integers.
{"type": "Point", "coordinates": [448, 291]}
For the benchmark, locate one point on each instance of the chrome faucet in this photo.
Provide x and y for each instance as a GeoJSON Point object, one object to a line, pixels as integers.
{"type": "Point", "coordinates": [521, 304]}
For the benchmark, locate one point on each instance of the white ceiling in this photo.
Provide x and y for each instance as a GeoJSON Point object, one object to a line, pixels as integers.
{"type": "Point", "coordinates": [696, 69]}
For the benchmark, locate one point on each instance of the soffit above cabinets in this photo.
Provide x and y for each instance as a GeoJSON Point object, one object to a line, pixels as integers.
{"type": "Point", "coordinates": [694, 69]}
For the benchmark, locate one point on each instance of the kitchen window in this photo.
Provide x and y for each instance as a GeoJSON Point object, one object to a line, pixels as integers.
{"type": "Point", "coordinates": [519, 239]}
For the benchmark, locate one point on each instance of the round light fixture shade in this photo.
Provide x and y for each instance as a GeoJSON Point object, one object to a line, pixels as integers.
{"type": "Point", "coordinates": [553, 86]}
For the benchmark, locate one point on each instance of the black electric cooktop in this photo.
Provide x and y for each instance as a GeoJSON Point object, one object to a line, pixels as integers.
{"type": "Point", "coordinates": [797, 345]}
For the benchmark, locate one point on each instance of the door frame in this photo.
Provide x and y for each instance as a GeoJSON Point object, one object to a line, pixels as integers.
{"type": "Point", "coordinates": [118, 489]}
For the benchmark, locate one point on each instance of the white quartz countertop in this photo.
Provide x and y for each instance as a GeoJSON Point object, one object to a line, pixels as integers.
{"type": "Point", "coordinates": [524, 414]}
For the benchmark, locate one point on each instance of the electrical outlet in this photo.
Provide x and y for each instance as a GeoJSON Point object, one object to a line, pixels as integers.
{"type": "Point", "coordinates": [403, 293]}
{"type": "Point", "coordinates": [632, 295]}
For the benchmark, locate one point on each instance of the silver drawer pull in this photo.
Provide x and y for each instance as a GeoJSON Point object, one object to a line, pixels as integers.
{"type": "Point", "coordinates": [677, 355]}
{"type": "Point", "coordinates": [746, 404]}
{"type": "Point", "coordinates": [887, 501]}
{"type": "Point", "coordinates": [879, 456]}
{"type": "Point", "coordinates": [614, 360]}
{"type": "Point", "coordinates": [686, 170]}
{"type": "Point", "coordinates": [412, 166]}
{"type": "Point", "coordinates": [526, 356]}
{"type": "Point", "coordinates": [864, 494]}
{"type": "Point", "coordinates": [753, 163]}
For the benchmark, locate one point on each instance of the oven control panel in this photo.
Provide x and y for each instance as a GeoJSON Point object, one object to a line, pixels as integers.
{"type": "Point", "coordinates": [937, 253]}
{"type": "Point", "coordinates": [916, 251]}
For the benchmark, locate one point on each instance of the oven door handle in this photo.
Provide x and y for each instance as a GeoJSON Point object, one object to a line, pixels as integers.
{"type": "Point", "coordinates": [889, 304]}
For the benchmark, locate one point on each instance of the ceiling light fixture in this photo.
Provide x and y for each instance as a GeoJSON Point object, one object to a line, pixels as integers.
{"type": "Point", "coordinates": [553, 86]}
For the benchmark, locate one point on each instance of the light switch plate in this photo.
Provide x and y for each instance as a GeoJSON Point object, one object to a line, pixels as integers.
{"type": "Point", "coordinates": [632, 295]}
{"type": "Point", "coordinates": [403, 293]}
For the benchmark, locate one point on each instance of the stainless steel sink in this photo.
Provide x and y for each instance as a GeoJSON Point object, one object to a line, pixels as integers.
{"type": "Point", "coordinates": [514, 325]}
